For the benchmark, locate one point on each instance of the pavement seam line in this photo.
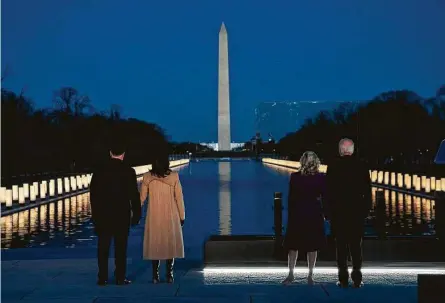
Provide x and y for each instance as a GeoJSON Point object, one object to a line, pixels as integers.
{"type": "Point", "coordinates": [177, 291]}
{"type": "Point", "coordinates": [28, 293]}
{"type": "Point", "coordinates": [325, 290]}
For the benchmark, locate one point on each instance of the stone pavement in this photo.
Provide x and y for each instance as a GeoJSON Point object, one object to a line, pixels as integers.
{"type": "Point", "coordinates": [73, 280]}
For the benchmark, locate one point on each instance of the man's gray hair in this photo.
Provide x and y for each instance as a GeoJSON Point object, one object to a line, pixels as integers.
{"type": "Point", "coordinates": [346, 147]}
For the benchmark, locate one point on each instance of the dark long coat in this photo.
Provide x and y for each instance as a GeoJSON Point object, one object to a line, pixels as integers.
{"type": "Point", "coordinates": [114, 197]}
{"type": "Point", "coordinates": [305, 223]}
{"type": "Point", "coordinates": [348, 196]}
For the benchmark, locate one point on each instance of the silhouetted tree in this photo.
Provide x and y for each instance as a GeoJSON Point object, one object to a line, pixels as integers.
{"type": "Point", "coordinates": [66, 137]}
{"type": "Point", "coordinates": [70, 101]}
{"type": "Point", "coordinates": [396, 128]}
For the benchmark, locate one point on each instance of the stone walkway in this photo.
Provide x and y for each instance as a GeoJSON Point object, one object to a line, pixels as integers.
{"type": "Point", "coordinates": [73, 280]}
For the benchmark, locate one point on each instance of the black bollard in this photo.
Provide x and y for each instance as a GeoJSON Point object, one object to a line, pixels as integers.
{"type": "Point", "coordinates": [440, 197]}
{"type": "Point", "coordinates": [430, 288]}
{"type": "Point", "coordinates": [439, 207]}
{"type": "Point", "coordinates": [380, 214]}
{"type": "Point", "coordinates": [278, 223]}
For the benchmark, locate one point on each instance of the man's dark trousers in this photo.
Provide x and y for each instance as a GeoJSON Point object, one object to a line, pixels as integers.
{"type": "Point", "coordinates": [120, 238]}
{"type": "Point", "coordinates": [349, 244]}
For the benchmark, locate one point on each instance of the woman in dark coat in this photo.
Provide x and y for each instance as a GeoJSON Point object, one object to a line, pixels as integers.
{"type": "Point", "coordinates": [305, 225]}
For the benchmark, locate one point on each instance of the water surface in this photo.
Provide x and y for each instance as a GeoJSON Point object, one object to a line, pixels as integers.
{"type": "Point", "coordinates": [221, 198]}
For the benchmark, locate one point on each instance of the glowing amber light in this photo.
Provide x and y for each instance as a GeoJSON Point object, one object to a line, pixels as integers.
{"type": "Point", "coordinates": [45, 187]}
{"type": "Point", "coordinates": [427, 185]}
{"type": "Point", "coordinates": [380, 177]}
{"type": "Point", "coordinates": [42, 191]}
{"type": "Point", "coordinates": [67, 184]}
{"type": "Point", "coordinates": [73, 183]}
{"type": "Point", "coordinates": [32, 193]}
{"type": "Point", "coordinates": [26, 190]}
{"type": "Point", "coordinates": [393, 179]}
{"type": "Point", "coordinates": [2, 195]}
{"type": "Point", "coordinates": [373, 176]}
{"type": "Point", "coordinates": [59, 186]}
{"type": "Point", "coordinates": [442, 184]}
{"type": "Point", "coordinates": [433, 183]}
{"type": "Point", "coordinates": [15, 192]}
{"type": "Point", "coordinates": [79, 182]}
{"type": "Point", "coordinates": [84, 181]}
{"type": "Point", "coordinates": [408, 181]}
{"type": "Point", "coordinates": [417, 185]}
{"type": "Point", "coordinates": [438, 186]}
{"type": "Point", "coordinates": [423, 182]}
{"type": "Point", "coordinates": [386, 178]}
{"type": "Point", "coordinates": [8, 198]}
{"type": "Point", "coordinates": [52, 188]}
{"type": "Point", "coordinates": [21, 196]}
{"type": "Point", "coordinates": [400, 180]}
{"type": "Point", "coordinates": [36, 187]}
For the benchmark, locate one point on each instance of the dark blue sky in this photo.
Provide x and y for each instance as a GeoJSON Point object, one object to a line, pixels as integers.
{"type": "Point", "coordinates": [158, 59]}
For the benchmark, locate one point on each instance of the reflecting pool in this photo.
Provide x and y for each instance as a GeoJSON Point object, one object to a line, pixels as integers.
{"type": "Point", "coordinates": [222, 198]}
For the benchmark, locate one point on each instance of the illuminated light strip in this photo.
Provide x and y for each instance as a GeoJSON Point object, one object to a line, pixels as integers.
{"type": "Point", "coordinates": [321, 270]}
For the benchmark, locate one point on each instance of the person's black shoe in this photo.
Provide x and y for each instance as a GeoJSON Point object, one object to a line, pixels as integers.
{"type": "Point", "coordinates": [123, 282]}
{"type": "Point", "coordinates": [357, 285]}
{"type": "Point", "coordinates": [342, 284]}
{"type": "Point", "coordinates": [102, 282]}
{"type": "Point", "coordinates": [170, 276]}
{"type": "Point", "coordinates": [155, 265]}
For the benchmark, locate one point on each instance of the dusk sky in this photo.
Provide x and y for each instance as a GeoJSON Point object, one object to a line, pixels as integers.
{"type": "Point", "coordinates": [159, 59]}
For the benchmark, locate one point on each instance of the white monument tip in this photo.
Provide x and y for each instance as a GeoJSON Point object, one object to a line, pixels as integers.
{"type": "Point", "coordinates": [223, 28]}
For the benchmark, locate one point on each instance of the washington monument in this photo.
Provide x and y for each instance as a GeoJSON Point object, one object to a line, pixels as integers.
{"type": "Point", "coordinates": [223, 92]}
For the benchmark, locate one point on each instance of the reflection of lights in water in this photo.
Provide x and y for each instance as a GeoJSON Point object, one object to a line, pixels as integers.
{"type": "Point", "coordinates": [52, 220]}
{"type": "Point", "coordinates": [59, 213]}
{"type": "Point", "coordinates": [426, 206]}
{"type": "Point", "coordinates": [408, 202]}
{"type": "Point", "coordinates": [280, 169]}
{"type": "Point", "coordinates": [373, 197]}
{"type": "Point", "coordinates": [433, 209]}
{"type": "Point", "coordinates": [224, 171]}
{"type": "Point", "coordinates": [66, 207]}
{"type": "Point", "coordinates": [417, 211]}
{"type": "Point", "coordinates": [15, 222]}
{"type": "Point", "coordinates": [423, 208]}
{"type": "Point", "coordinates": [400, 203]}
{"type": "Point", "coordinates": [26, 219]}
{"type": "Point", "coordinates": [43, 213]}
{"type": "Point", "coordinates": [52, 215]}
{"type": "Point", "coordinates": [34, 215]}
{"type": "Point", "coordinates": [393, 205]}
{"type": "Point", "coordinates": [34, 227]}
{"type": "Point", "coordinates": [21, 228]}
{"type": "Point", "coordinates": [73, 208]}
{"type": "Point", "coordinates": [80, 200]}
{"type": "Point", "coordinates": [7, 227]}
{"type": "Point", "coordinates": [386, 205]}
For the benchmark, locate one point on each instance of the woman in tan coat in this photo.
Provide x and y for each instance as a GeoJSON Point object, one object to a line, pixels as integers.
{"type": "Point", "coordinates": [165, 217]}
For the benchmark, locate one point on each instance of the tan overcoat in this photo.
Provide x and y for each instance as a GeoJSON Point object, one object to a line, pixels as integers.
{"type": "Point", "coordinates": [163, 232]}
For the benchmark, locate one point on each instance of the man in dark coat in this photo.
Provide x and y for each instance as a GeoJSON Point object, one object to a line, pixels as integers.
{"type": "Point", "coordinates": [115, 205]}
{"type": "Point", "coordinates": [349, 202]}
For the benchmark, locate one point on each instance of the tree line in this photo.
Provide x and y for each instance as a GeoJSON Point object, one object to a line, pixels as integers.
{"type": "Point", "coordinates": [396, 129]}
{"type": "Point", "coordinates": [70, 136]}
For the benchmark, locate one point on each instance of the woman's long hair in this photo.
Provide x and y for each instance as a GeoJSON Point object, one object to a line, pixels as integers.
{"type": "Point", "coordinates": [310, 163]}
{"type": "Point", "coordinates": [161, 167]}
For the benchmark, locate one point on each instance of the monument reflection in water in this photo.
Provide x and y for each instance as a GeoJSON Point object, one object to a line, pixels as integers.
{"type": "Point", "coordinates": [400, 214]}
{"type": "Point", "coordinates": [225, 198]}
